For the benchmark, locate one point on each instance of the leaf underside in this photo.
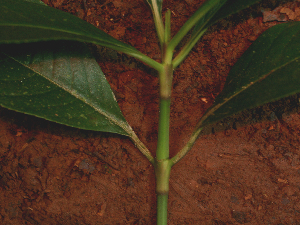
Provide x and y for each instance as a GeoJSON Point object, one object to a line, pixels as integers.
{"type": "Point", "coordinates": [267, 71]}
{"type": "Point", "coordinates": [59, 81]}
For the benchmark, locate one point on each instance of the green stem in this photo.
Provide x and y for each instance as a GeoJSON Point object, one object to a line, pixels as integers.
{"type": "Point", "coordinates": [167, 26]}
{"type": "Point", "coordinates": [162, 163]}
{"type": "Point", "coordinates": [162, 152]}
{"type": "Point", "coordinates": [162, 209]}
{"type": "Point", "coordinates": [165, 84]}
{"type": "Point", "coordinates": [162, 174]}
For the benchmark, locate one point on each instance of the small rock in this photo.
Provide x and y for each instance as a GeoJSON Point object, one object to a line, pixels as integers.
{"type": "Point", "coordinates": [234, 200]}
{"type": "Point", "coordinates": [130, 182]}
{"type": "Point", "coordinates": [274, 15]}
{"type": "Point", "coordinates": [38, 162]}
{"type": "Point", "coordinates": [86, 164]}
{"type": "Point", "coordinates": [240, 217]}
{"type": "Point", "coordinates": [273, 116]}
{"type": "Point", "coordinates": [285, 201]}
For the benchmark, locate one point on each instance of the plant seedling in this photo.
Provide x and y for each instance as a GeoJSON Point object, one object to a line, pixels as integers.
{"type": "Point", "coordinates": [62, 82]}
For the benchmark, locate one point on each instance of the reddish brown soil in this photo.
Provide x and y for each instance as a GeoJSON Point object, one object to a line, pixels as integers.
{"type": "Point", "coordinates": [243, 170]}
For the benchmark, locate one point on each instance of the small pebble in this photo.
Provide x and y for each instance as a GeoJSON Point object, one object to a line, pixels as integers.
{"type": "Point", "coordinates": [86, 164]}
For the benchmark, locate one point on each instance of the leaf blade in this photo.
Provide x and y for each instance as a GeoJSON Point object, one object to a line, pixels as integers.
{"type": "Point", "coordinates": [258, 77]}
{"type": "Point", "coordinates": [30, 78]}
{"type": "Point", "coordinates": [22, 21]}
{"type": "Point", "coordinates": [231, 7]}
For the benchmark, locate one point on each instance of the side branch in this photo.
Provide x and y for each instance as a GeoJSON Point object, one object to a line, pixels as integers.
{"type": "Point", "coordinates": [140, 145]}
{"type": "Point", "coordinates": [187, 147]}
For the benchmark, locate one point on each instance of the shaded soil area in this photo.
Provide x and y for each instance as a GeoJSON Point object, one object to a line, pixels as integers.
{"type": "Point", "coordinates": [242, 170]}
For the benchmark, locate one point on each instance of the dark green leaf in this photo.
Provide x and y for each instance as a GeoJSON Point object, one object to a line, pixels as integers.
{"type": "Point", "coordinates": [22, 21]}
{"type": "Point", "coordinates": [201, 16]}
{"type": "Point", "coordinates": [228, 8]}
{"type": "Point", "coordinates": [59, 81]}
{"type": "Point", "coordinates": [202, 23]}
{"type": "Point", "coordinates": [231, 7]}
{"type": "Point", "coordinates": [268, 70]}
